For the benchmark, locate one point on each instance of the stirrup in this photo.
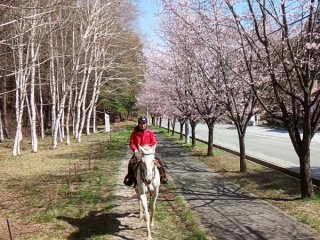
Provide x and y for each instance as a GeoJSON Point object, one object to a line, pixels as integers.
{"type": "Point", "coordinates": [163, 180]}
{"type": "Point", "coordinates": [128, 181]}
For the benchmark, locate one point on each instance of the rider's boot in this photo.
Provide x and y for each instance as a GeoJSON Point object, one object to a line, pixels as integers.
{"type": "Point", "coordinates": [163, 177]}
{"type": "Point", "coordinates": [129, 178]}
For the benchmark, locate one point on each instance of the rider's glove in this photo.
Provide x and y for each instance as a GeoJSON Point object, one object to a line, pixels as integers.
{"type": "Point", "coordinates": [137, 154]}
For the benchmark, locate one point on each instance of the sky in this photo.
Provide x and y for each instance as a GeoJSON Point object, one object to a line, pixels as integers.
{"type": "Point", "coordinates": [147, 21]}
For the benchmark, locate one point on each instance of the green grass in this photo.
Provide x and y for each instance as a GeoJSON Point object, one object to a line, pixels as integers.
{"type": "Point", "coordinates": [45, 216]}
{"type": "Point", "coordinates": [175, 220]}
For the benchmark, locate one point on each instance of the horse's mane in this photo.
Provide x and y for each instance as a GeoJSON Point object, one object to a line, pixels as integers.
{"type": "Point", "coordinates": [147, 148]}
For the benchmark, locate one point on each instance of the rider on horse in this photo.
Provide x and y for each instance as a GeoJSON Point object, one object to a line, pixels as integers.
{"type": "Point", "coordinates": [139, 137]}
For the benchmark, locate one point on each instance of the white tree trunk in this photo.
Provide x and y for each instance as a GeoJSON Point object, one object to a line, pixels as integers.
{"type": "Point", "coordinates": [1, 129]}
{"type": "Point", "coordinates": [33, 123]}
{"type": "Point", "coordinates": [95, 95]}
{"type": "Point", "coordinates": [81, 103]}
{"type": "Point", "coordinates": [20, 95]}
{"type": "Point", "coordinates": [68, 119]}
{"type": "Point", "coordinates": [53, 87]}
{"type": "Point", "coordinates": [74, 113]}
{"type": "Point", "coordinates": [18, 137]}
{"type": "Point", "coordinates": [92, 109]}
{"type": "Point", "coordinates": [81, 94]}
{"type": "Point", "coordinates": [58, 119]}
{"type": "Point", "coordinates": [91, 105]}
{"type": "Point", "coordinates": [41, 105]}
{"type": "Point", "coordinates": [94, 119]}
{"type": "Point", "coordinates": [17, 140]}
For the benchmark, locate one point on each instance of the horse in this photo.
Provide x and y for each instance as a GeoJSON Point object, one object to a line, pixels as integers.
{"type": "Point", "coordinates": [148, 182]}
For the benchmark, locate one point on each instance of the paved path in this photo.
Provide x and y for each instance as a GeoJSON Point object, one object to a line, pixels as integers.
{"type": "Point", "coordinates": [225, 209]}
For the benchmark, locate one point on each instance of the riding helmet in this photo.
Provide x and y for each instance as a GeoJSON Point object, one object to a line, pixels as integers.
{"type": "Point", "coordinates": [142, 119]}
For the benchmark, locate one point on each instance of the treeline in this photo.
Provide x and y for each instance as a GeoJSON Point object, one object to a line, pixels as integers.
{"type": "Point", "coordinates": [229, 60]}
{"type": "Point", "coordinates": [62, 61]}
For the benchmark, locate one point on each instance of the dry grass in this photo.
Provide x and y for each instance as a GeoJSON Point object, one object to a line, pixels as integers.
{"type": "Point", "coordinates": [56, 194]}
{"type": "Point", "coordinates": [71, 181]}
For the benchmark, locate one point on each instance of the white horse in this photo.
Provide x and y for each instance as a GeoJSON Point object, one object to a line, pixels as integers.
{"type": "Point", "coordinates": [148, 182]}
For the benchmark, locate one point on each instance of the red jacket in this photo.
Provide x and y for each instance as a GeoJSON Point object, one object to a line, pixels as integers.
{"type": "Point", "coordinates": [141, 137]}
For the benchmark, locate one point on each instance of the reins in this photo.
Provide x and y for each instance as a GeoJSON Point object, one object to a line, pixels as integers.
{"type": "Point", "coordinates": [145, 182]}
{"type": "Point", "coordinates": [142, 174]}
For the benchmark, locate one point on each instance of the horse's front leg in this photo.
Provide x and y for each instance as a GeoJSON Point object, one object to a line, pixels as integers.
{"type": "Point", "coordinates": [140, 204]}
{"type": "Point", "coordinates": [144, 202]}
{"type": "Point", "coordinates": [153, 201]}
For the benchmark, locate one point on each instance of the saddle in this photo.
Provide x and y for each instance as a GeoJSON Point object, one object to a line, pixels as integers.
{"type": "Point", "coordinates": [131, 177]}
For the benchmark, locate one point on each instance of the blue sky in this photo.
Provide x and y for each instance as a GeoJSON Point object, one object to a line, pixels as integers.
{"type": "Point", "coordinates": [147, 21]}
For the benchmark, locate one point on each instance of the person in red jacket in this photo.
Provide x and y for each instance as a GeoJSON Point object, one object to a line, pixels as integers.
{"type": "Point", "coordinates": [139, 137]}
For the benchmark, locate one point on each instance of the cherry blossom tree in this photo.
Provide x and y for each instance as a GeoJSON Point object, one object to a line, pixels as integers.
{"type": "Point", "coordinates": [155, 91]}
{"type": "Point", "coordinates": [217, 35]}
{"type": "Point", "coordinates": [284, 38]}
{"type": "Point", "coordinates": [165, 76]}
{"type": "Point", "coordinates": [183, 102]}
{"type": "Point", "coordinates": [178, 23]}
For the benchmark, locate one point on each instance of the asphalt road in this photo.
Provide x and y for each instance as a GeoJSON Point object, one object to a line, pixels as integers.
{"type": "Point", "coordinates": [268, 144]}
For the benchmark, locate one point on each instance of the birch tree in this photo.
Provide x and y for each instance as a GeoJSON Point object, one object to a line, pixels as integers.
{"type": "Point", "coordinates": [59, 62]}
{"type": "Point", "coordinates": [1, 129]}
{"type": "Point", "coordinates": [34, 48]}
{"type": "Point", "coordinates": [22, 74]}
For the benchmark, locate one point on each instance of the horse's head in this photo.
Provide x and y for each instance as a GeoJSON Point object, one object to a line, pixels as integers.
{"type": "Point", "coordinates": [147, 164]}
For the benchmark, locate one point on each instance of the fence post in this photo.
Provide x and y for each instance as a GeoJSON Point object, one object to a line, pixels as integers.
{"type": "Point", "coordinates": [9, 229]}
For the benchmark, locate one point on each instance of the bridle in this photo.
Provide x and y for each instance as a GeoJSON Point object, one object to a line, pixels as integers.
{"type": "Point", "coordinates": [142, 176]}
